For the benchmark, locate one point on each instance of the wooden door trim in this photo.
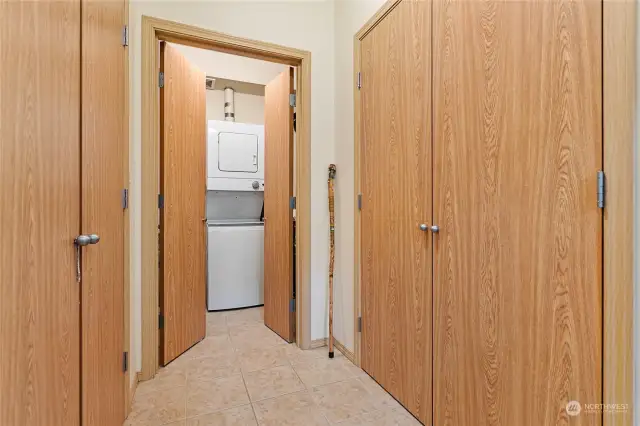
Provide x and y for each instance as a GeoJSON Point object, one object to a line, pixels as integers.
{"type": "Point", "coordinates": [619, 25]}
{"type": "Point", "coordinates": [619, 108]}
{"type": "Point", "coordinates": [128, 386]}
{"type": "Point", "coordinates": [153, 31]}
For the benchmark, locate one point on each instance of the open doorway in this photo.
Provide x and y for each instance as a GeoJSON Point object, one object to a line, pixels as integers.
{"type": "Point", "coordinates": [227, 211]}
{"type": "Point", "coordinates": [157, 204]}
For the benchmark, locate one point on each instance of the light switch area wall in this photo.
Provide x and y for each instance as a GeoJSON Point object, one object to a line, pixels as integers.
{"type": "Point", "coordinates": [248, 108]}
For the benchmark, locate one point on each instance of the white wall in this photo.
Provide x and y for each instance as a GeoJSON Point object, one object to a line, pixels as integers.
{"type": "Point", "coordinates": [305, 25]}
{"type": "Point", "coordinates": [248, 108]}
{"type": "Point", "coordinates": [350, 16]}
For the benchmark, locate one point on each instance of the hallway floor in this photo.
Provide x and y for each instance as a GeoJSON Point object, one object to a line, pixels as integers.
{"type": "Point", "coordinates": [243, 374]}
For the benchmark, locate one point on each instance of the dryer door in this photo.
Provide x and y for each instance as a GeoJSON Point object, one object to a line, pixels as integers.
{"type": "Point", "coordinates": [237, 152]}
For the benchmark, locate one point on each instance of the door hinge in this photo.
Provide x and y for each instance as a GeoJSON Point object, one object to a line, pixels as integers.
{"type": "Point", "coordinates": [359, 201]}
{"type": "Point", "coordinates": [292, 99]}
{"type": "Point", "coordinates": [292, 202]}
{"type": "Point", "coordinates": [160, 321]}
{"type": "Point", "coordinates": [125, 198]}
{"type": "Point", "coordinates": [160, 201]}
{"type": "Point", "coordinates": [359, 80]}
{"type": "Point", "coordinates": [125, 361]}
{"type": "Point", "coordinates": [125, 35]}
{"type": "Point", "coordinates": [161, 79]}
{"type": "Point", "coordinates": [359, 324]}
{"type": "Point", "coordinates": [292, 305]}
{"type": "Point", "coordinates": [601, 189]}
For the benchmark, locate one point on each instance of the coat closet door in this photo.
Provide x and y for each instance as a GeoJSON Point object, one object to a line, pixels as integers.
{"type": "Point", "coordinates": [396, 200]}
{"type": "Point", "coordinates": [103, 145]}
{"type": "Point", "coordinates": [518, 272]}
{"type": "Point", "coordinates": [39, 213]}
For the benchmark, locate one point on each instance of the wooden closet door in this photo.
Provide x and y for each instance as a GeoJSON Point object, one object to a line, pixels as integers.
{"type": "Point", "coordinates": [518, 269]}
{"type": "Point", "coordinates": [183, 186]}
{"type": "Point", "coordinates": [103, 146]}
{"type": "Point", "coordinates": [278, 224]}
{"type": "Point", "coordinates": [396, 200]}
{"type": "Point", "coordinates": [39, 213]}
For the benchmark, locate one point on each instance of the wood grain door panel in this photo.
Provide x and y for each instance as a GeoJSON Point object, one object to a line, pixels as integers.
{"type": "Point", "coordinates": [183, 186]}
{"type": "Point", "coordinates": [278, 226]}
{"type": "Point", "coordinates": [518, 270]}
{"type": "Point", "coordinates": [103, 132]}
{"type": "Point", "coordinates": [39, 213]}
{"type": "Point", "coordinates": [396, 199]}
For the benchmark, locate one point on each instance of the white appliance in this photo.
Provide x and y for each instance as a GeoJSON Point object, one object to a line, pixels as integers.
{"type": "Point", "coordinates": [235, 232]}
{"type": "Point", "coordinates": [235, 156]}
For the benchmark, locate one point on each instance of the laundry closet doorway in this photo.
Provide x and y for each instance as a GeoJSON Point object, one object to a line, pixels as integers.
{"type": "Point", "coordinates": [204, 210]}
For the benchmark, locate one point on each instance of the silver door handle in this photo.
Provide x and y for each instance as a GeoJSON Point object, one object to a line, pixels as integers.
{"type": "Point", "coordinates": [85, 240]}
{"type": "Point", "coordinates": [433, 228]}
{"type": "Point", "coordinates": [81, 241]}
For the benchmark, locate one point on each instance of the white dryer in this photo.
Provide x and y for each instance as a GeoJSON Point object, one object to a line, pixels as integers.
{"type": "Point", "coordinates": [235, 156]}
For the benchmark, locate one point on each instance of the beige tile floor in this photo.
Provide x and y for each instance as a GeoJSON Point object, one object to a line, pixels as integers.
{"type": "Point", "coordinates": [243, 374]}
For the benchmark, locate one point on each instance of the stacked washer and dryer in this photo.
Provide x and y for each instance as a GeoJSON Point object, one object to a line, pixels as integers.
{"type": "Point", "coordinates": [235, 227]}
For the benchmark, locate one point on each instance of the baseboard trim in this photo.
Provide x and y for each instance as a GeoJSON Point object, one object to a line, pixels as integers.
{"type": "Point", "coordinates": [134, 387]}
{"type": "Point", "coordinates": [346, 352]}
{"type": "Point", "coordinates": [318, 343]}
{"type": "Point", "coordinates": [336, 343]}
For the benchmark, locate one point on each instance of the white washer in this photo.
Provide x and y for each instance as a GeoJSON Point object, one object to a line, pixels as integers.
{"type": "Point", "coordinates": [236, 264]}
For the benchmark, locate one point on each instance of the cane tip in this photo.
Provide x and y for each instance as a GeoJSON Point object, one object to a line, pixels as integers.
{"type": "Point", "coordinates": [330, 354]}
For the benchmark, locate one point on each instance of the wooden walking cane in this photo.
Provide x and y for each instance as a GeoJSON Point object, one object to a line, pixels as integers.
{"type": "Point", "coordinates": [332, 250]}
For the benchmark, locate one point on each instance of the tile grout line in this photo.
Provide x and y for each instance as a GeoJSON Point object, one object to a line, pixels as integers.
{"type": "Point", "coordinates": [246, 389]}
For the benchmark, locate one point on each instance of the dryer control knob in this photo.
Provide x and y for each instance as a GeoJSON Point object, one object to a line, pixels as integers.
{"type": "Point", "coordinates": [255, 184]}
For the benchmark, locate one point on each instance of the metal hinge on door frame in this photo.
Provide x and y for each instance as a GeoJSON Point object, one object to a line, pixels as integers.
{"type": "Point", "coordinates": [601, 189]}
{"type": "Point", "coordinates": [359, 201]}
{"type": "Point", "coordinates": [125, 361]}
{"type": "Point", "coordinates": [292, 305]}
{"type": "Point", "coordinates": [160, 201]}
{"type": "Point", "coordinates": [359, 324]}
{"type": "Point", "coordinates": [161, 79]}
{"type": "Point", "coordinates": [292, 202]}
{"type": "Point", "coordinates": [160, 321]}
{"type": "Point", "coordinates": [359, 80]}
{"type": "Point", "coordinates": [125, 35]}
{"type": "Point", "coordinates": [125, 198]}
{"type": "Point", "coordinates": [292, 99]}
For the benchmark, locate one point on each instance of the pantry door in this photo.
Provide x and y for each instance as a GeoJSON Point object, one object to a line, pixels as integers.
{"type": "Point", "coordinates": [183, 187]}
{"type": "Point", "coordinates": [518, 260]}
{"type": "Point", "coordinates": [278, 224]}
{"type": "Point", "coordinates": [103, 162]}
{"type": "Point", "coordinates": [396, 237]}
{"type": "Point", "coordinates": [39, 213]}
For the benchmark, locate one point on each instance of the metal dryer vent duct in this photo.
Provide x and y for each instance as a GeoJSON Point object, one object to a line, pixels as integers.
{"type": "Point", "coordinates": [229, 108]}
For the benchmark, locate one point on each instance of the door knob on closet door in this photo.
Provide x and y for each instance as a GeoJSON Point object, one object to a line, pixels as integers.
{"type": "Point", "coordinates": [85, 240]}
{"type": "Point", "coordinates": [433, 228]}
